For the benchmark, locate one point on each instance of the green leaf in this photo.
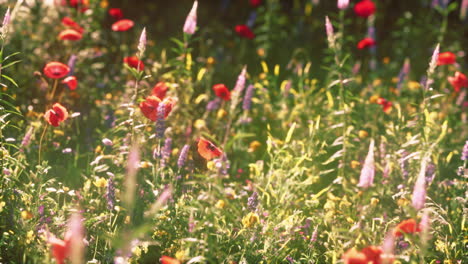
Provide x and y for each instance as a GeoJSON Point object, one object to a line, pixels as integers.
{"type": "Point", "coordinates": [10, 79]}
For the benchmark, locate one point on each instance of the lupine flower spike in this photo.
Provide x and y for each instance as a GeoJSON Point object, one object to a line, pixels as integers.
{"type": "Point", "coordinates": [142, 42]}
{"type": "Point", "coordinates": [191, 21]}
{"type": "Point", "coordinates": [419, 191]}
{"type": "Point", "coordinates": [343, 4]}
{"type": "Point", "coordinates": [366, 179]}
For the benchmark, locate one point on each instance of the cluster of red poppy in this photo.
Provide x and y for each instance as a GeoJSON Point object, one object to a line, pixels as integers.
{"type": "Point", "coordinates": [459, 80]}
{"type": "Point", "coordinates": [74, 31]}
{"type": "Point", "coordinates": [149, 107]}
{"type": "Point", "coordinates": [386, 105]}
{"type": "Point", "coordinates": [373, 254]}
{"type": "Point", "coordinates": [365, 9]}
{"type": "Point", "coordinates": [134, 62]}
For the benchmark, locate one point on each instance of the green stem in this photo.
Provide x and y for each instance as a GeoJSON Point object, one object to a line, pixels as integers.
{"type": "Point", "coordinates": [40, 142]}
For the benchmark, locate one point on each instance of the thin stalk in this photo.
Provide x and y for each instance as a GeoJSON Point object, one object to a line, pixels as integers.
{"type": "Point", "coordinates": [40, 142]}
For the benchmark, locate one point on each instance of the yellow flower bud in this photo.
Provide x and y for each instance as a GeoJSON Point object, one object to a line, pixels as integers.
{"type": "Point", "coordinates": [26, 215]}
{"type": "Point", "coordinates": [220, 204]}
{"type": "Point", "coordinates": [363, 134]}
{"type": "Point", "coordinates": [355, 164]}
{"type": "Point", "coordinates": [250, 220]}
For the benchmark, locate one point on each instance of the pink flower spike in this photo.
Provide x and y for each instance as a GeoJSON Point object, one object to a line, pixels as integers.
{"type": "Point", "coordinates": [366, 179]}
{"type": "Point", "coordinates": [191, 20]}
{"type": "Point", "coordinates": [330, 33]}
{"type": "Point", "coordinates": [419, 191]}
{"type": "Point", "coordinates": [142, 42]}
{"type": "Point", "coordinates": [74, 238]}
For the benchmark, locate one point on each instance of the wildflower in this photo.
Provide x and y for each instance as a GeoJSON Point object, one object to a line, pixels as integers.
{"type": "Point", "coordinates": [220, 204]}
{"type": "Point", "coordinates": [408, 226]}
{"type": "Point", "coordinates": [71, 82]}
{"type": "Point", "coordinates": [386, 105]}
{"type": "Point", "coordinates": [363, 134]}
{"type": "Point", "coordinates": [72, 246]}
{"type": "Point", "coordinates": [160, 123]}
{"type": "Point", "coordinates": [364, 8]}
{"type": "Point", "coordinates": [366, 179]}
{"type": "Point", "coordinates": [166, 151]}
{"type": "Point", "coordinates": [208, 150]}
{"type": "Point", "coordinates": [168, 260]}
{"type": "Point", "coordinates": [330, 33]}
{"type": "Point", "coordinates": [67, 21]}
{"type": "Point", "coordinates": [248, 98]}
{"type": "Point", "coordinates": [403, 73]}
{"type": "Point", "coordinates": [368, 255]}
{"type": "Point", "coordinates": [134, 62]}
{"type": "Point", "coordinates": [252, 201]}
{"type": "Point", "coordinates": [110, 193]}
{"type": "Point", "coordinates": [6, 22]}
{"type": "Point", "coordinates": [183, 156]}
{"type": "Point", "coordinates": [366, 43]}
{"type": "Point", "coordinates": [342, 4]}
{"type": "Point", "coordinates": [116, 13]}
{"type": "Point", "coordinates": [250, 220]}
{"type": "Point", "coordinates": [142, 42]}
{"type": "Point", "coordinates": [57, 114]}
{"type": "Point", "coordinates": [419, 191]}
{"type": "Point", "coordinates": [56, 70]}
{"type": "Point", "coordinates": [244, 31]}
{"type": "Point", "coordinates": [159, 90]}
{"type": "Point", "coordinates": [388, 248]}
{"type": "Point", "coordinates": [458, 81]}
{"type": "Point", "coordinates": [123, 25]}
{"type": "Point", "coordinates": [213, 104]}
{"type": "Point", "coordinates": [464, 154]}
{"type": "Point", "coordinates": [222, 91]}
{"type": "Point", "coordinates": [190, 24]}
{"type": "Point", "coordinates": [107, 142]}
{"type": "Point", "coordinates": [70, 34]}
{"type": "Point", "coordinates": [446, 58]}
{"type": "Point", "coordinates": [255, 3]}
{"type": "Point", "coordinates": [27, 137]}
{"type": "Point", "coordinates": [59, 249]}
{"type": "Point", "coordinates": [149, 107]}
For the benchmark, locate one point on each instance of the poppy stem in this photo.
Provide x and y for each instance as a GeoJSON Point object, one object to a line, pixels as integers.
{"type": "Point", "coordinates": [40, 142]}
{"type": "Point", "coordinates": [54, 88]}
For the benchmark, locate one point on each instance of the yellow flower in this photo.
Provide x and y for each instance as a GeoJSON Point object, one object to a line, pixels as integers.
{"type": "Point", "coordinates": [2, 204]}
{"type": "Point", "coordinates": [355, 164]}
{"type": "Point", "coordinates": [58, 132]}
{"type": "Point", "coordinates": [374, 201]}
{"type": "Point", "coordinates": [363, 133]}
{"type": "Point", "coordinates": [221, 113]}
{"type": "Point", "coordinates": [220, 204]}
{"type": "Point", "coordinates": [98, 149]}
{"type": "Point", "coordinates": [100, 183]}
{"type": "Point", "coordinates": [145, 164]}
{"type": "Point", "coordinates": [199, 124]}
{"type": "Point", "coordinates": [373, 99]}
{"type": "Point", "coordinates": [26, 215]}
{"type": "Point", "coordinates": [29, 236]}
{"type": "Point", "coordinates": [261, 52]}
{"type": "Point", "coordinates": [413, 85]}
{"type": "Point", "coordinates": [108, 96]}
{"type": "Point", "coordinates": [210, 61]}
{"type": "Point", "coordinates": [402, 202]}
{"type": "Point", "coordinates": [377, 82]}
{"type": "Point", "coordinates": [250, 220]}
{"type": "Point", "coordinates": [104, 4]}
{"type": "Point", "coordinates": [386, 60]}
{"type": "Point", "coordinates": [254, 145]}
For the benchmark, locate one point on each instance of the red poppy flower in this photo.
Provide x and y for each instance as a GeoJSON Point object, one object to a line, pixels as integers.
{"type": "Point", "coordinates": [365, 8]}
{"type": "Point", "coordinates": [149, 107]}
{"type": "Point", "coordinates": [222, 91]}
{"type": "Point", "coordinates": [168, 260]}
{"type": "Point", "coordinates": [56, 70]}
{"type": "Point", "coordinates": [116, 13]}
{"type": "Point", "coordinates": [458, 81]}
{"type": "Point", "coordinates": [67, 21]}
{"type": "Point", "coordinates": [123, 25]}
{"type": "Point", "coordinates": [59, 249]}
{"type": "Point", "coordinates": [352, 256]}
{"type": "Point", "coordinates": [446, 58]}
{"type": "Point", "coordinates": [159, 90]}
{"type": "Point", "coordinates": [244, 31]}
{"type": "Point", "coordinates": [71, 81]}
{"type": "Point", "coordinates": [57, 114]}
{"type": "Point", "coordinates": [134, 62]}
{"type": "Point", "coordinates": [386, 105]}
{"type": "Point", "coordinates": [373, 254]}
{"type": "Point", "coordinates": [83, 4]}
{"type": "Point", "coordinates": [208, 150]}
{"type": "Point", "coordinates": [366, 43]}
{"type": "Point", "coordinates": [70, 34]}
{"type": "Point", "coordinates": [255, 3]}
{"type": "Point", "coordinates": [408, 226]}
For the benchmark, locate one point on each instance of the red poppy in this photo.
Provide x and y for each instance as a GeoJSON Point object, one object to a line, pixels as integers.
{"type": "Point", "coordinates": [244, 31]}
{"type": "Point", "coordinates": [168, 260]}
{"type": "Point", "coordinates": [56, 70]}
{"type": "Point", "coordinates": [208, 150]}
{"type": "Point", "coordinates": [222, 91]}
{"type": "Point", "coordinates": [149, 107]}
{"type": "Point", "coordinates": [408, 226]}
{"type": "Point", "coordinates": [446, 58]}
{"type": "Point", "coordinates": [386, 105]}
{"type": "Point", "coordinates": [57, 114]}
{"type": "Point", "coordinates": [366, 43]}
{"type": "Point", "coordinates": [116, 13]}
{"type": "Point", "coordinates": [373, 254]}
{"type": "Point", "coordinates": [159, 90]}
{"type": "Point", "coordinates": [352, 256]}
{"type": "Point", "coordinates": [83, 4]}
{"type": "Point", "coordinates": [134, 62]}
{"type": "Point", "coordinates": [59, 249]}
{"type": "Point", "coordinates": [71, 81]}
{"type": "Point", "coordinates": [70, 34]}
{"type": "Point", "coordinates": [255, 3]}
{"type": "Point", "coordinates": [458, 81]}
{"type": "Point", "coordinates": [365, 8]}
{"type": "Point", "coordinates": [67, 21]}
{"type": "Point", "coordinates": [123, 25]}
